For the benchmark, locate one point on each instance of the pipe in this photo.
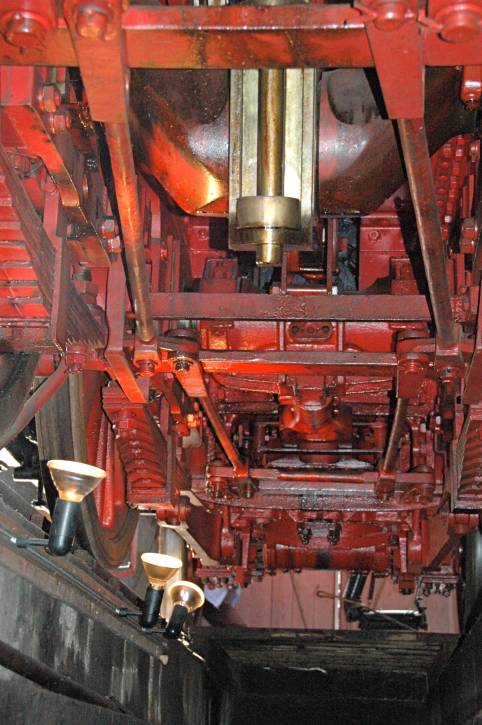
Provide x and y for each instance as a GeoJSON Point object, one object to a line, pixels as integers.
{"type": "Point", "coordinates": [270, 132]}
{"type": "Point", "coordinates": [391, 454]}
{"type": "Point", "coordinates": [36, 401]}
{"type": "Point", "coordinates": [125, 180]}
{"type": "Point", "coordinates": [239, 466]}
{"type": "Point", "coordinates": [419, 172]}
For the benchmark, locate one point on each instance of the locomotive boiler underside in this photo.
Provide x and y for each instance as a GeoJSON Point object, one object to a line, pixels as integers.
{"type": "Point", "coordinates": [253, 279]}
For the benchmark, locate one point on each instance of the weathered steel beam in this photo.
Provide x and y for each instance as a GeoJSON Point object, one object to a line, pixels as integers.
{"type": "Point", "coordinates": [298, 362]}
{"type": "Point", "coordinates": [247, 306]}
{"type": "Point", "coordinates": [241, 36]}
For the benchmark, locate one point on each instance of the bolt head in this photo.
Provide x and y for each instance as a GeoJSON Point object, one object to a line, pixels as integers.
{"type": "Point", "coordinates": [182, 366]}
{"type": "Point", "coordinates": [92, 22]}
{"type": "Point", "coordinates": [91, 163]}
{"type": "Point", "coordinates": [146, 368]}
{"type": "Point", "coordinates": [390, 16]}
{"type": "Point", "coordinates": [24, 31]}
{"type": "Point", "coordinates": [460, 23]}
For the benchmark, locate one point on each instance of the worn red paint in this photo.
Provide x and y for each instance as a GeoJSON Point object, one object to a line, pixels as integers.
{"type": "Point", "coordinates": [260, 420]}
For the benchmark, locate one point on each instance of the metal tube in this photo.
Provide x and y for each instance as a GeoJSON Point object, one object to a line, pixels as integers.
{"type": "Point", "coordinates": [395, 435]}
{"type": "Point", "coordinates": [239, 467]}
{"type": "Point", "coordinates": [125, 180]}
{"type": "Point", "coordinates": [270, 132]}
{"type": "Point", "coordinates": [419, 172]}
{"type": "Point", "coordinates": [36, 401]}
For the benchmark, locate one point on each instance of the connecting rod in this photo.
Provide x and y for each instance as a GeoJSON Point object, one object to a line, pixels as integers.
{"type": "Point", "coordinates": [419, 172]}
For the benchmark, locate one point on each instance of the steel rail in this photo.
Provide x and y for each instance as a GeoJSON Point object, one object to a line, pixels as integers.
{"type": "Point", "coordinates": [420, 179]}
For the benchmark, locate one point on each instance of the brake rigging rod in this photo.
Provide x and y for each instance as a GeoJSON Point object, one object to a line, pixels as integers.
{"type": "Point", "coordinates": [125, 180]}
{"type": "Point", "coordinates": [419, 172]}
{"type": "Point", "coordinates": [190, 375]}
{"type": "Point", "coordinates": [396, 431]}
{"type": "Point", "coordinates": [230, 450]}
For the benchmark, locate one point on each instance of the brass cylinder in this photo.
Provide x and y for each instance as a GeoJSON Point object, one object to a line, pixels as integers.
{"type": "Point", "coordinates": [270, 131]}
{"type": "Point", "coordinates": [269, 220]}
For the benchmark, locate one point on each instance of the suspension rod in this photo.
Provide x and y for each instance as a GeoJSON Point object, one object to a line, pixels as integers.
{"type": "Point", "coordinates": [125, 180]}
{"type": "Point", "coordinates": [419, 172]}
{"type": "Point", "coordinates": [395, 435]}
{"type": "Point", "coordinates": [232, 454]}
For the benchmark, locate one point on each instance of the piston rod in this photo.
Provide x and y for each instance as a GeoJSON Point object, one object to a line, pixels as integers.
{"type": "Point", "coordinates": [270, 131]}
{"type": "Point", "coordinates": [419, 172]}
{"type": "Point", "coordinates": [125, 180]}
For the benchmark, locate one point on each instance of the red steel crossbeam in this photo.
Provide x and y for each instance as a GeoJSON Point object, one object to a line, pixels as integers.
{"type": "Point", "coordinates": [238, 36]}
{"type": "Point", "coordinates": [282, 489]}
{"type": "Point", "coordinates": [249, 306]}
{"type": "Point", "coordinates": [299, 362]}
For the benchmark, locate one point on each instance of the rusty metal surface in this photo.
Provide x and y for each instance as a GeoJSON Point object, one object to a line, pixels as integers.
{"type": "Point", "coordinates": [293, 36]}
{"type": "Point", "coordinates": [258, 403]}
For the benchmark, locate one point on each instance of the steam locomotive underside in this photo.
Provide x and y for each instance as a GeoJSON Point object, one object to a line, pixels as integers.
{"type": "Point", "coordinates": [241, 244]}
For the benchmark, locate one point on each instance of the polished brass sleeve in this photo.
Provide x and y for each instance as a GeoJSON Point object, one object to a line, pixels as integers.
{"type": "Point", "coordinates": [270, 131]}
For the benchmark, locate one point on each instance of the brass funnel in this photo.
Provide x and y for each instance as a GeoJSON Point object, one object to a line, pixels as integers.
{"type": "Point", "coordinates": [74, 480]}
{"type": "Point", "coordinates": [159, 568]}
{"type": "Point", "coordinates": [186, 594]}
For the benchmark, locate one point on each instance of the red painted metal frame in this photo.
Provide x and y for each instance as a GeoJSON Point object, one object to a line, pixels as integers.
{"type": "Point", "coordinates": [242, 424]}
{"type": "Point", "coordinates": [244, 306]}
{"type": "Point", "coordinates": [329, 36]}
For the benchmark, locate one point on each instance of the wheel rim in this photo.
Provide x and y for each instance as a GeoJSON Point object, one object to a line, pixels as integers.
{"type": "Point", "coordinates": [101, 451]}
{"type": "Point", "coordinates": [71, 426]}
